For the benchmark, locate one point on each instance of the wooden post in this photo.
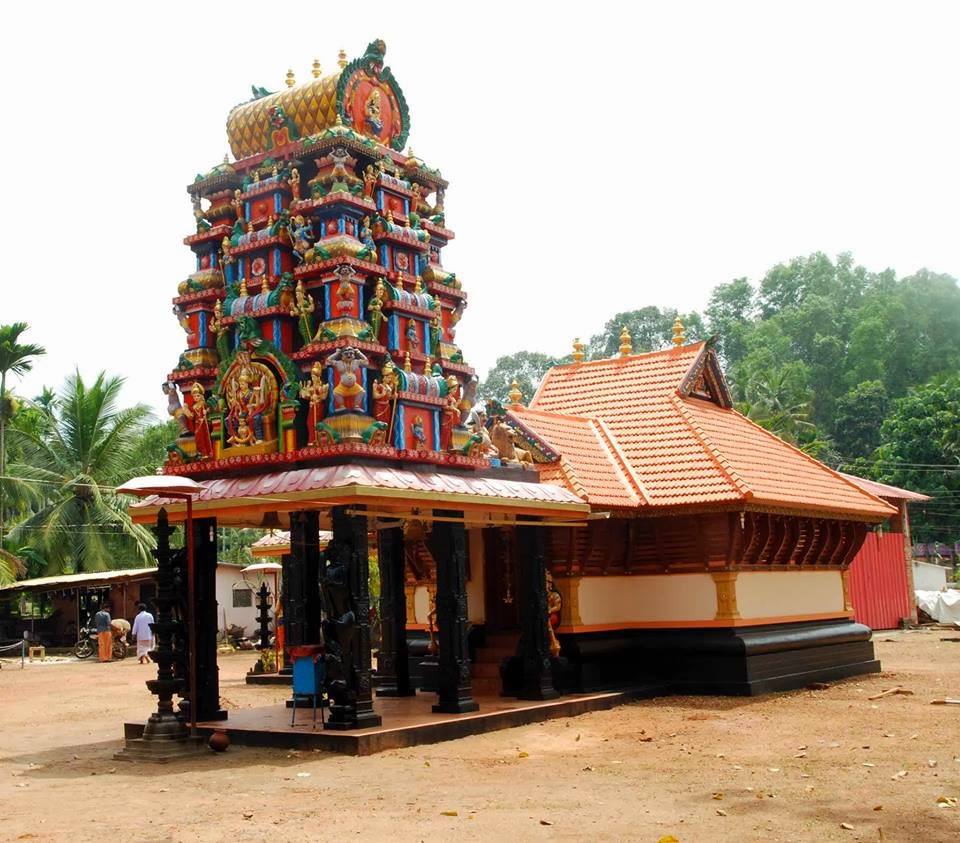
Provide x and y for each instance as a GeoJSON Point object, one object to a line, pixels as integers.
{"type": "Point", "coordinates": [448, 543]}
{"type": "Point", "coordinates": [393, 667]}
{"type": "Point", "coordinates": [908, 554]}
{"type": "Point", "coordinates": [534, 649]}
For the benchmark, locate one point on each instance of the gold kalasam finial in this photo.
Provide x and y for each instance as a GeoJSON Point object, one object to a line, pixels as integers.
{"type": "Point", "coordinates": [316, 68]}
{"type": "Point", "coordinates": [342, 58]}
{"type": "Point", "coordinates": [243, 287]}
{"type": "Point", "coordinates": [626, 343]}
{"type": "Point", "coordinates": [407, 363]}
{"type": "Point", "coordinates": [578, 347]}
{"type": "Point", "coordinates": [679, 338]}
{"type": "Point", "coordinates": [226, 157]}
{"type": "Point", "coordinates": [291, 79]}
{"type": "Point", "coordinates": [515, 395]}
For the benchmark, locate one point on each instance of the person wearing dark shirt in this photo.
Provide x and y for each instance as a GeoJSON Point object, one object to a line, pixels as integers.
{"type": "Point", "coordinates": [104, 634]}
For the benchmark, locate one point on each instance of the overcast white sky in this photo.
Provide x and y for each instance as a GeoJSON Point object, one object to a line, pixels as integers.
{"type": "Point", "coordinates": [602, 156]}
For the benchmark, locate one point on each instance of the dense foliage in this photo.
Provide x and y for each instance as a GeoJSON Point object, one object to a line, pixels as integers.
{"type": "Point", "coordinates": [847, 363]}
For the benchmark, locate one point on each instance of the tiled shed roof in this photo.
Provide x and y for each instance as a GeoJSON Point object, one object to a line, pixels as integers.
{"type": "Point", "coordinates": [653, 430]}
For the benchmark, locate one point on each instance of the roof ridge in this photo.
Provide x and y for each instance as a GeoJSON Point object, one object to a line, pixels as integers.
{"type": "Point", "coordinates": [611, 441]}
{"type": "Point", "coordinates": [816, 462]}
{"type": "Point", "coordinates": [576, 485]}
{"type": "Point", "coordinates": [552, 413]}
{"type": "Point", "coordinates": [674, 349]}
{"type": "Point", "coordinates": [721, 462]}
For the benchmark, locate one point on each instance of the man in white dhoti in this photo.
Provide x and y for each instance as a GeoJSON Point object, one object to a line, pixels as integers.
{"type": "Point", "coordinates": [143, 634]}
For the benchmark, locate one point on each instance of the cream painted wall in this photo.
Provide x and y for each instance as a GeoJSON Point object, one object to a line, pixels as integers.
{"type": "Point", "coordinates": [635, 599]}
{"type": "Point", "coordinates": [767, 594]}
{"type": "Point", "coordinates": [227, 577]}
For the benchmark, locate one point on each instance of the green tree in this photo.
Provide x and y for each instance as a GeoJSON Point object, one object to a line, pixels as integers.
{"type": "Point", "coordinates": [858, 416]}
{"type": "Point", "coordinates": [16, 358]}
{"type": "Point", "coordinates": [650, 330]}
{"type": "Point", "coordinates": [920, 450]}
{"type": "Point", "coordinates": [89, 446]}
{"type": "Point", "coordinates": [729, 314]}
{"type": "Point", "coordinates": [526, 367]}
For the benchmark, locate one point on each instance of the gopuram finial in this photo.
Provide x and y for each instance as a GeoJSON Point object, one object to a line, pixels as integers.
{"type": "Point", "coordinates": [342, 59]}
{"type": "Point", "coordinates": [679, 337]}
{"type": "Point", "coordinates": [578, 355]}
{"type": "Point", "coordinates": [626, 342]}
{"type": "Point", "coordinates": [291, 79]}
{"type": "Point", "coordinates": [316, 68]}
{"type": "Point", "coordinates": [515, 395]}
{"type": "Point", "coordinates": [226, 157]}
{"type": "Point", "coordinates": [407, 363]}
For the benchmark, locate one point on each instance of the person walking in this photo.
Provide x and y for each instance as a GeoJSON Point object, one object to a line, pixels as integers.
{"type": "Point", "coordinates": [104, 633]}
{"type": "Point", "coordinates": [143, 633]}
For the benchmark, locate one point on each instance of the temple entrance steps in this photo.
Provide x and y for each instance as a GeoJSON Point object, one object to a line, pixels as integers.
{"type": "Point", "coordinates": [485, 669]}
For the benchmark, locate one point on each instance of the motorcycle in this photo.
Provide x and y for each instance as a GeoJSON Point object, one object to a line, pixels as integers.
{"type": "Point", "coordinates": [88, 644]}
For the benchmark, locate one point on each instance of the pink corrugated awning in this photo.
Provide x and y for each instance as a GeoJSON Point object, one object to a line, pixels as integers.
{"type": "Point", "coordinates": [312, 488]}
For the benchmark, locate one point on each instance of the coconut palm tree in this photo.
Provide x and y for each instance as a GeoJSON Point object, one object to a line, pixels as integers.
{"type": "Point", "coordinates": [88, 447]}
{"type": "Point", "coordinates": [15, 359]}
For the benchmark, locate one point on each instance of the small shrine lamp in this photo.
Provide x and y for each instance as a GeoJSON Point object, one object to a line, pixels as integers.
{"type": "Point", "coordinates": [255, 576]}
{"type": "Point", "coordinates": [184, 488]}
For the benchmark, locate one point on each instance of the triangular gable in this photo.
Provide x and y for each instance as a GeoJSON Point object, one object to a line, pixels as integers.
{"type": "Point", "coordinates": [705, 380]}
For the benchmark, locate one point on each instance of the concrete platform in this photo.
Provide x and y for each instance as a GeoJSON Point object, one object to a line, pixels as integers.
{"type": "Point", "coordinates": [407, 721]}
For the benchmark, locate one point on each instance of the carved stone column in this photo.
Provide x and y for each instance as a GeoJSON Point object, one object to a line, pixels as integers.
{"type": "Point", "coordinates": [448, 544]}
{"type": "Point", "coordinates": [301, 611]}
{"type": "Point", "coordinates": [393, 666]}
{"type": "Point", "coordinates": [263, 618]}
{"type": "Point", "coordinates": [536, 681]}
{"type": "Point", "coordinates": [205, 589]}
{"type": "Point", "coordinates": [347, 599]}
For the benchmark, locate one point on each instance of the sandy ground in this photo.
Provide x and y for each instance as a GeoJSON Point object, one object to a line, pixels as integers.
{"type": "Point", "coordinates": [788, 767]}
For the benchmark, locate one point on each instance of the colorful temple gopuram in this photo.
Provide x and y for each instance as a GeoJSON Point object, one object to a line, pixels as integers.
{"type": "Point", "coordinates": [627, 529]}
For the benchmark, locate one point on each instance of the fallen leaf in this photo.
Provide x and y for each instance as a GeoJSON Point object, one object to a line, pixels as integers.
{"type": "Point", "coordinates": [878, 807]}
{"type": "Point", "coordinates": [718, 796]}
{"type": "Point", "coordinates": [248, 815]}
{"type": "Point", "coordinates": [774, 769]}
{"type": "Point", "coordinates": [721, 812]}
{"type": "Point", "coordinates": [946, 802]}
{"type": "Point", "coordinates": [868, 764]}
{"type": "Point", "coordinates": [668, 838]}
{"type": "Point", "coordinates": [545, 822]}
{"type": "Point", "coordinates": [897, 776]}
{"type": "Point", "coordinates": [588, 769]}
{"type": "Point", "coordinates": [888, 735]}
{"type": "Point", "coordinates": [847, 826]}
{"type": "Point", "coordinates": [646, 739]}
{"type": "Point", "coordinates": [523, 754]}
{"type": "Point", "coordinates": [803, 747]}
{"type": "Point", "coordinates": [577, 737]}
{"type": "Point", "coordinates": [426, 763]}
{"type": "Point", "coordinates": [932, 762]}
{"type": "Point", "coordinates": [449, 814]}
{"type": "Point", "coordinates": [303, 775]}
{"type": "Point", "coordinates": [800, 755]}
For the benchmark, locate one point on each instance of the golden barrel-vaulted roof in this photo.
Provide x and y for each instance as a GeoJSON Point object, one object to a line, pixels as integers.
{"type": "Point", "coordinates": [312, 107]}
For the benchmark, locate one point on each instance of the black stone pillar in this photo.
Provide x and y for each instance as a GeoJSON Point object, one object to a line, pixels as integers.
{"type": "Point", "coordinates": [393, 666]}
{"type": "Point", "coordinates": [448, 544]}
{"type": "Point", "coordinates": [164, 725]}
{"type": "Point", "coordinates": [536, 681]}
{"type": "Point", "coordinates": [205, 590]}
{"type": "Point", "coordinates": [263, 618]}
{"type": "Point", "coordinates": [286, 566]}
{"type": "Point", "coordinates": [347, 592]}
{"type": "Point", "coordinates": [301, 610]}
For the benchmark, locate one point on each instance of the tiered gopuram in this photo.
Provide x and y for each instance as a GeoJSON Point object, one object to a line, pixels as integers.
{"type": "Point", "coordinates": [320, 320]}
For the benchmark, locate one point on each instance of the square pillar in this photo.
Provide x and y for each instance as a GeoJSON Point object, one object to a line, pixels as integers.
{"type": "Point", "coordinates": [536, 681]}
{"type": "Point", "coordinates": [346, 590]}
{"type": "Point", "coordinates": [448, 544]}
{"type": "Point", "coordinates": [393, 666]}
{"type": "Point", "coordinates": [301, 610]}
{"type": "Point", "coordinates": [205, 590]}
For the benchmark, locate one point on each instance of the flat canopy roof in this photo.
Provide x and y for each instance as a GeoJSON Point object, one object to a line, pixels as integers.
{"type": "Point", "coordinates": [247, 500]}
{"type": "Point", "coordinates": [77, 580]}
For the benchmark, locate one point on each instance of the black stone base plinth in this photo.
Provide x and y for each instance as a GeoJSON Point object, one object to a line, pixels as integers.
{"type": "Point", "coordinates": [366, 720]}
{"type": "Point", "coordinates": [463, 706]}
{"type": "Point", "coordinates": [161, 751]}
{"type": "Point", "coordinates": [739, 662]}
{"type": "Point", "coordinates": [394, 691]}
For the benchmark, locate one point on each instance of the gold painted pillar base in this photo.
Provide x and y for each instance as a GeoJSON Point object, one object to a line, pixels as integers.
{"type": "Point", "coordinates": [726, 585]}
{"type": "Point", "coordinates": [569, 588]}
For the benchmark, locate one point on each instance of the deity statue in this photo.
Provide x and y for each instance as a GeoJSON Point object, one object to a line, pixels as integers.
{"type": "Point", "coordinates": [302, 237]}
{"type": "Point", "coordinates": [346, 293]}
{"type": "Point", "coordinates": [237, 203]}
{"type": "Point", "coordinates": [554, 606]}
{"type": "Point", "coordinates": [413, 339]}
{"type": "Point", "coordinates": [371, 112]}
{"type": "Point", "coordinates": [477, 423]}
{"type": "Point", "coordinates": [294, 182]}
{"type": "Point", "coordinates": [436, 330]}
{"type": "Point", "coordinates": [384, 393]}
{"type": "Point", "coordinates": [419, 435]}
{"type": "Point", "coordinates": [246, 403]}
{"type": "Point", "coordinates": [369, 181]}
{"type": "Point", "coordinates": [375, 309]}
{"type": "Point", "coordinates": [196, 413]}
{"type": "Point", "coordinates": [315, 391]}
{"type": "Point", "coordinates": [450, 413]}
{"type": "Point", "coordinates": [366, 235]}
{"type": "Point", "coordinates": [174, 408]}
{"type": "Point", "coordinates": [348, 394]}
{"type": "Point", "coordinates": [303, 307]}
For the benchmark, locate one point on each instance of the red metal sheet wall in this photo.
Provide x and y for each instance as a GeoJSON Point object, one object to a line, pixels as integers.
{"type": "Point", "coordinates": [878, 582]}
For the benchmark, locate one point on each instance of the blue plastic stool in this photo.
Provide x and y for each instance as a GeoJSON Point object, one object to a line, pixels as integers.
{"type": "Point", "coordinates": [309, 671]}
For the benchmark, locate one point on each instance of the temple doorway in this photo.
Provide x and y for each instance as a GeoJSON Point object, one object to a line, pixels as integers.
{"type": "Point", "coordinates": [502, 611]}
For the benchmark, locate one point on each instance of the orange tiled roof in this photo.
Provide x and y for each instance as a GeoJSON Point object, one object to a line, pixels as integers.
{"type": "Point", "coordinates": [633, 432]}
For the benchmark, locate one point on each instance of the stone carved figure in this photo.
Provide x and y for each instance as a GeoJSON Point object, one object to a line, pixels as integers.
{"type": "Point", "coordinates": [339, 621]}
{"type": "Point", "coordinates": [175, 408]}
{"type": "Point", "coordinates": [315, 391]}
{"type": "Point", "coordinates": [554, 607]}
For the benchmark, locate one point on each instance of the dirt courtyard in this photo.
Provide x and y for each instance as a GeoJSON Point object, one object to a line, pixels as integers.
{"type": "Point", "coordinates": [809, 765]}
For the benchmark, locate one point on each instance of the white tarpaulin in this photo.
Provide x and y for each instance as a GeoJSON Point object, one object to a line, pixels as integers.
{"type": "Point", "coordinates": [942, 606]}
